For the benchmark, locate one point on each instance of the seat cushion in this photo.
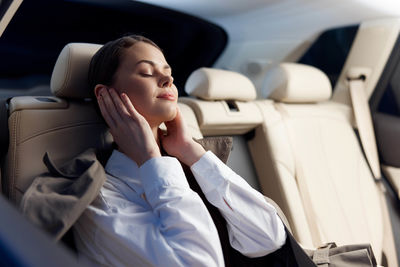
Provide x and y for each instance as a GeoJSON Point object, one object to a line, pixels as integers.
{"type": "Point", "coordinates": [343, 193]}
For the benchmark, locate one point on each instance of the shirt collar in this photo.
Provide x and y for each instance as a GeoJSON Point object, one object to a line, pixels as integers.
{"type": "Point", "coordinates": [123, 168]}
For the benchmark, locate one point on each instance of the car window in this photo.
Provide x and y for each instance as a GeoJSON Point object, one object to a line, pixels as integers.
{"type": "Point", "coordinates": [386, 96]}
{"type": "Point", "coordinates": [41, 28]}
{"type": "Point", "coordinates": [329, 52]}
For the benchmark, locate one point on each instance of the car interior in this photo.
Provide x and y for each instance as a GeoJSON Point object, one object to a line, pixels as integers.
{"type": "Point", "coordinates": [295, 135]}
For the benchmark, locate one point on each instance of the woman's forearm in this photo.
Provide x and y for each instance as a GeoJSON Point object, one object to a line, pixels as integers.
{"type": "Point", "coordinates": [191, 153]}
{"type": "Point", "coordinates": [255, 228]}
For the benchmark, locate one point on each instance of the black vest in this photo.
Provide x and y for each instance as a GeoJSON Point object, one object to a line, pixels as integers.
{"type": "Point", "coordinates": [284, 256]}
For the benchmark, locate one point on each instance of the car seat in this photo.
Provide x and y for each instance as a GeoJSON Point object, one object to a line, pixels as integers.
{"type": "Point", "coordinates": [310, 162]}
{"type": "Point", "coordinates": [222, 102]}
{"type": "Point", "coordinates": [349, 205]}
{"type": "Point", "coordinates": [63, 125]}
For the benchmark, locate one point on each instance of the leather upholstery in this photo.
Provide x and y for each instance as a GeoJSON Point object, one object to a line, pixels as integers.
{"type": "Point", "coordinates": [348, 203]}
{"type": "Point", "coordinates": [69, 77]}
{"type": "Point", "coordinates": [217, 118]}
{"type": "Point", "coordinates": [350, 206]}
{"type": "Point", "coordinates": [342, 190]}
{"type": "Point", "coordinates": [296, 83]}
{"type": "Point", "coordinates": [63, 129]}
{"type": "Point", "coordinates": [217, 84]}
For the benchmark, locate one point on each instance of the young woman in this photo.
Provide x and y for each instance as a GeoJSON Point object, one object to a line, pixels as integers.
{"type": "Point", "coordinates": [146, 213]}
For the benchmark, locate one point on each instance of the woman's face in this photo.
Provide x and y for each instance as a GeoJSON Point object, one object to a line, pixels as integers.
{"type": "Point", "coordinates": [145, 76]}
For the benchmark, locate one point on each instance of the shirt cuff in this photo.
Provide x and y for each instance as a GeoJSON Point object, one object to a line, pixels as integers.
{"type": "Point", "coordinates": [209, 171]}
{"type": "Point", "coordinates": [160, 172]}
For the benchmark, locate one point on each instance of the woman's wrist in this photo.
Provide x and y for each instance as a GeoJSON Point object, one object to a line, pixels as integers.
{"type": "Point", "coordinates": [148, 157]}
{"type": "Point", "coordinates": [191, 153]}
{"type": "Point", "coordinates": [141, 158]}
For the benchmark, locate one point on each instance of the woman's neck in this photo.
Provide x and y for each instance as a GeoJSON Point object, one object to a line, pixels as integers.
{"type": "Point", "coordinates": [154, 125]}
{"type": "Point", "coordinates": [154, 129]}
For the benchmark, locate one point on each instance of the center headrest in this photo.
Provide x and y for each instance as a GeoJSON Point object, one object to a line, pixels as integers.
{"type": "Point", "coordinates": [297, 83]}
{"type": "Point", "coordinates": [70, 74]}
{"type": "Point", "coordinates": [216, 84]}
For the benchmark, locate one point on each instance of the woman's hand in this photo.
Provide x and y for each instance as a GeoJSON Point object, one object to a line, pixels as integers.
{"type": "Point", "coordinates": [178, 142]}
{"type": "Point", "coordinates": [129, 129]}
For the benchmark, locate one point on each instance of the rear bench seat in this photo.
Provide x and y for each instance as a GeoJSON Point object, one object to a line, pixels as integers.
{"type": "Point", "coordinates": [349, 205]}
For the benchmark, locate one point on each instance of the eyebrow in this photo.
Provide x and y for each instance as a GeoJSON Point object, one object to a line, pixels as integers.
{"type": "Point", "coordinates": [166, 66]}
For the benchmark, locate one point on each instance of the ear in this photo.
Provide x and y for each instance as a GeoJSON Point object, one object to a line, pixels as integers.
{"type": "Point", "coordinates": [97, 89]}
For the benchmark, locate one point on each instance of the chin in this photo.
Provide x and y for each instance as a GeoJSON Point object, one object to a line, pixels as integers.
{"type": "Point", "coordinates": [170, 115]}
{"type": "Point", "coordinates": [164, 114]}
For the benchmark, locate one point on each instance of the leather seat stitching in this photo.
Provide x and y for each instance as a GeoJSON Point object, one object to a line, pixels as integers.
{"type": "Point", "coordinates": [59, 128]}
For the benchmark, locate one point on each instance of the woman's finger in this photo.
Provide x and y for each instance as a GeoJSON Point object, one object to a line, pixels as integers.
{"type": "Point", "coordinates": [119, 105]}
{"type": "Point", "coordinates": [176, 122]}
{"type": "Point", "coordinates": [178, 116]}
{"type": "Point", "coordinates": [109, 104]}
{"type": "Point", "coordinates": [129, 106]}
{"type": "Point", "coordinates": [104, 112]}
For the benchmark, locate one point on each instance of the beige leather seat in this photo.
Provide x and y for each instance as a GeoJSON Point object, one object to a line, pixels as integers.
{"type": "Point", "coordinates": [299, 122]}
{"type": "Point", "coordinates": [222, 102]}
{"type": "Point", "coordinates": [63, 125]}
{"type": "Point", "coordinates": [304, 134]}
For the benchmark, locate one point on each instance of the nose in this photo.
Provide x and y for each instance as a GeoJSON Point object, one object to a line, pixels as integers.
{"type": "Point", "coordinates": [166, 81]}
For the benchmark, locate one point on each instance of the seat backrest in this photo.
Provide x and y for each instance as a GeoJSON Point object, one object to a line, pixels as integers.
{"type": "Point", "coordinates": [63, 125]}
{"type": "Point", "coordinates": [299, 122]}
{"type": "Point", "coordinates": [222, 102]}
{"type": "Point", "coordinates": [302, 127]}
{"type": "Point", "coordinates": [37, 125]}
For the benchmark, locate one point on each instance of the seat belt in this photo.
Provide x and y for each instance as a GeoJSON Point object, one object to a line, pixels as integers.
{"type": "Point", "coordinates": [301, 180]}
{"type": "Point", "coordinates": [363, 119]}
{"type": "Point", "coordinates": [362, 114]}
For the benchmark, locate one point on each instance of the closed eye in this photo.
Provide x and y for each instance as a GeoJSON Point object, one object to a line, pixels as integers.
{"type": "Point", "coordinates": [146, 74]}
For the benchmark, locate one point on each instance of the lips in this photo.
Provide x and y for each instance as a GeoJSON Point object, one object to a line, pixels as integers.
{"type": "Point", "coordinates": [167, 96]}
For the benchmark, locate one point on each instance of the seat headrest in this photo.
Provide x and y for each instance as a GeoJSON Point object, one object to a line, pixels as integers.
{"type": "Point", "coordinates": [296, 83]}
{"type": "Point", "coordinates": [70, 74]}
{"type": "Point", "coordinates": [216, 84]}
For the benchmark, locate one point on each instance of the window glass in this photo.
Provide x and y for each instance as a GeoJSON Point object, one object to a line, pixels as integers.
{"type": "Point", "coordinates": [4, 4]}
{"type": "Point", "coordinates": [329, 52]}
{"type": "Point", "coordinates": [41, 28]}
{"type": "Point", "coordinates": [390, 101]}
{"type": "Point", "coordinates": [386, 96]}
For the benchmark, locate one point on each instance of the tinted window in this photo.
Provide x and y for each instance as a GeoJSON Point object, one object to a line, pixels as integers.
{"type": "Point", "coordinates": [4, 4]}
{"type": "Point", "coordinates": [386, 96]}
{"type": "Point", "coordinates": [41, 28]}
{"type": "Point", "coordinates": [330, 50]}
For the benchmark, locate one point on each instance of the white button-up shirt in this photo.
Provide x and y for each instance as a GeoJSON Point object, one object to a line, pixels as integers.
{"type": "Point", "coordinates": [149, 216]}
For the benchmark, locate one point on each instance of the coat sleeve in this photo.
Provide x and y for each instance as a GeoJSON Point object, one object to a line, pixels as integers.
{"type": "Point", "coordinates": [254, 227]}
